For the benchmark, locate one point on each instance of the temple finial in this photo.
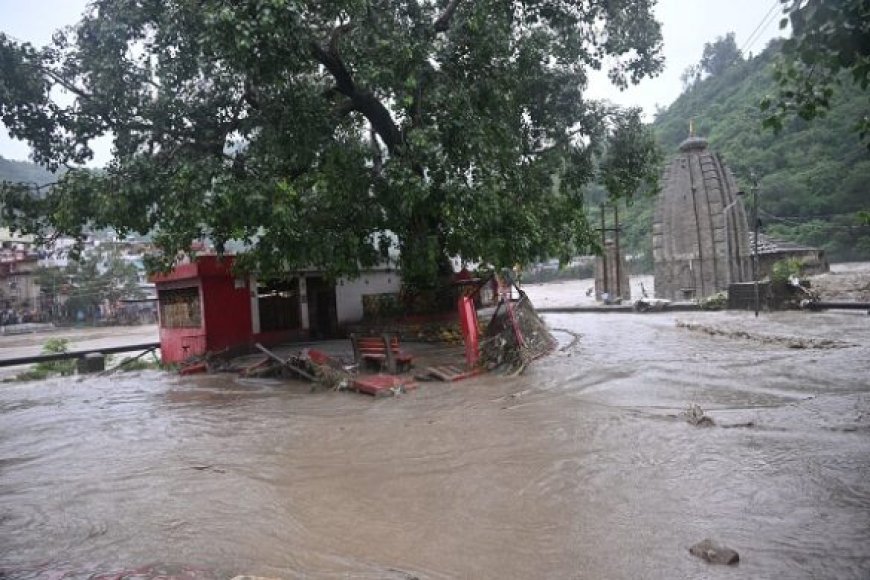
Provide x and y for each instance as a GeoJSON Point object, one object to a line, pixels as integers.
{"type": "Point", "coordinates": [692, 127]}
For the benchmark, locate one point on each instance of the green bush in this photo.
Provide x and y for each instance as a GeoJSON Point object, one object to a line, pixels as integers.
{"type": "Point", "coordinates": [718, 301]}
{"type": "Point", "coordinates": [43, 370]}
{"type": "Point", "coordinates": [783, 270]}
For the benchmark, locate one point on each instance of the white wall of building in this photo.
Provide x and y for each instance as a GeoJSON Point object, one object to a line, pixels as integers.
{"type": "Point", "coordinates": [349, 293]}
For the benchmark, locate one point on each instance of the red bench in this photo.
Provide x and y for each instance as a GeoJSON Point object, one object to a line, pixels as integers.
{"type": "Point", "coordinates": [373, 349]}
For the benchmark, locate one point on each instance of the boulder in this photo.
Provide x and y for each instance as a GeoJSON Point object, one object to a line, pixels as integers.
{"type": "Point", "coordinates": [714, 553]}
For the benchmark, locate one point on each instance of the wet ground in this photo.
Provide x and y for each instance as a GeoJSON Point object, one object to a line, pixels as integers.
{"type": "Point", "coordinates": [581, 468]}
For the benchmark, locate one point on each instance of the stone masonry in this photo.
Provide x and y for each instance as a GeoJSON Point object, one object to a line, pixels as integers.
{"type": "Point", "coordinates": [700, 230]}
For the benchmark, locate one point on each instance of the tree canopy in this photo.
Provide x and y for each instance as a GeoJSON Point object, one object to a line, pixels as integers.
{"type": "Point", "coordinates": [308, 131]}
{"type": "Point", "coordinates": [829, 46]}
{"type": "Point", "coordinates": [720, 54]}
{"type": "Point", "coordinates": [89, 282]}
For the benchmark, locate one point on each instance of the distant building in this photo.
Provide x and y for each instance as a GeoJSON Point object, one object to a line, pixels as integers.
{"type": "Point", "coordinates": [19, 293]}
{"type": "Point", "coordinates": [700, 230]}
{"type": "Point", "coordinates": [770, 251]}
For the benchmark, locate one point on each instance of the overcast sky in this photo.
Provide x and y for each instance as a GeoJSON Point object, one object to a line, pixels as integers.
{"type": "Point", "coordinates": [686, 26]}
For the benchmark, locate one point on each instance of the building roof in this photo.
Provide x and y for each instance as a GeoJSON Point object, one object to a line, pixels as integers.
{"type": "Point", "coordinates": [768, 245]}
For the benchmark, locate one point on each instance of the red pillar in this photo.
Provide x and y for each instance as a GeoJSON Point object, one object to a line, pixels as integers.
{"type": "Point", "coordinates": [470, 331]}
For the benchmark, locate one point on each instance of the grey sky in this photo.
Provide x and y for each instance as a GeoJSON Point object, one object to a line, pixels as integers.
{"type": "Point", "coordinates": [686, 24]}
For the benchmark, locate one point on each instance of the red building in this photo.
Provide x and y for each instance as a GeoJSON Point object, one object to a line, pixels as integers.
{"type": "Point", "coordinates": [204, 307]}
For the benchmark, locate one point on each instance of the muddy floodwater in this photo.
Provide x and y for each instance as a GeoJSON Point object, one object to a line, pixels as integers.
{"type": "Point", "coordinates": [581, 468]}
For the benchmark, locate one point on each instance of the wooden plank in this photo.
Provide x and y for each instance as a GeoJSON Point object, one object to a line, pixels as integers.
{"type": "Point", "coordinates": [285, 363]}
{"type": "Point", "coordinates": [449, 374]}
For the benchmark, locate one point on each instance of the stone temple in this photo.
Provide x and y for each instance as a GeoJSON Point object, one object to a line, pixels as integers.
{"type": "Point", "coordinates": [700, 230]}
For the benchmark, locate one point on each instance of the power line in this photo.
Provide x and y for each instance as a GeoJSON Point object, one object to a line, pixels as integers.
{"type": "Point", "coordinates": [756, 34]}
{"type": "Point", "coordinates": [760, 28]}
{"type": "Point", "coordinates": [803, 220]}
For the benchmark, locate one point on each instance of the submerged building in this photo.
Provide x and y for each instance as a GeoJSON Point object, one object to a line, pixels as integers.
{"type": "Point", "coordinates": [700, 230]}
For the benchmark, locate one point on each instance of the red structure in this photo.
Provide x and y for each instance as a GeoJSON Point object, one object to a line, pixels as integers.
{"type": "Point", "coordinates": [204, 307]}
{"type": "Point", "coordinates": [470, 331]}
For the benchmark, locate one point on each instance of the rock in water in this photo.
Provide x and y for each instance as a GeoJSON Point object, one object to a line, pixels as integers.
{"type": "Point", "coordinates": [714, 553]}
{"type": "Point", "coordinates": [695, 416]}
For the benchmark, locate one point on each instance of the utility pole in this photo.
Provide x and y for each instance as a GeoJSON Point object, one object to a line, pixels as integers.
{"type": "Point", "coordinates": [606, 286]}
{"type": "Point", "coordinates": [754, 179]}
{"type": "Point", "coordinates": [618, 256]}
{"type": "Point", "coordinates": [604, 258]}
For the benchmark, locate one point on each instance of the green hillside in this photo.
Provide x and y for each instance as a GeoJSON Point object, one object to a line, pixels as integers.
{"type": "Point", "coordinates": [813, 177]}
{"type": "Point", "coordinates": [24, 171]}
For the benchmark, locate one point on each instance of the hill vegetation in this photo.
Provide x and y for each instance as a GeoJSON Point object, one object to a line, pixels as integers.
{"type": "Point", "coordinates": [813, 177]}
{"type": "Point", "coordinates": [24, 172]}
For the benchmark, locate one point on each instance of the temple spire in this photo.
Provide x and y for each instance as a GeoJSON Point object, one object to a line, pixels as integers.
{"type": "Point", "coordinates": [693, 141]}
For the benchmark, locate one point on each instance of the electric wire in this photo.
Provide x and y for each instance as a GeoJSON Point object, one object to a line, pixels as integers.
{"type": "Point", "coordinates": [803, 220]}
{"type": "Point", "coordinates": [759, 29]}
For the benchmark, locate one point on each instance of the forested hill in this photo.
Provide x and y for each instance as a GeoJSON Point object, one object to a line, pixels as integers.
{"type": "Point", "coordinates": [813, 177]}
{"type": "Point", "coordinates": [23, 171]}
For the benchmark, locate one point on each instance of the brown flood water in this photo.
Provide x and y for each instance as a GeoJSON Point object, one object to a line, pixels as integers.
{"type": "Point", "coordinates": [578, 469]}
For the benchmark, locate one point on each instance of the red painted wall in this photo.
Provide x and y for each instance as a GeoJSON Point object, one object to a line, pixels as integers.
{"type": "Point", "coordinates": [179, 344]}
{"type": "Point", "coordinates": [227, 313]}
{"type": "Point", "coordinates": [226, 310]}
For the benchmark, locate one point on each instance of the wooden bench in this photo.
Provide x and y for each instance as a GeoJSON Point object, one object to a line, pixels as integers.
{"type": "Point", "coordinates": [373, 349]}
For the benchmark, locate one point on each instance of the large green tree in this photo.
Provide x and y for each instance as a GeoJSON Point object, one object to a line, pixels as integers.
{"type": "Point", "coordinates": [829, 48]}
{"type": "Point", "coordinates": [308, 130]}
{"type": "Point", "coordinates": [720, 54]}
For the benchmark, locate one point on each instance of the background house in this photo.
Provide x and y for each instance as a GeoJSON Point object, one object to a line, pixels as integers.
{"type": "Point", "coordinates": [19, 293]}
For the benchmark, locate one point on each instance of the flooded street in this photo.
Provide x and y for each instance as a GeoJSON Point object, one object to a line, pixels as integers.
{"type": "Point", "coordinates": [581, 468]}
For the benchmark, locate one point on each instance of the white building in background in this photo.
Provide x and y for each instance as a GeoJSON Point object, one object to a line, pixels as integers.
{"type": "Point", "coordinates": [19, 293]}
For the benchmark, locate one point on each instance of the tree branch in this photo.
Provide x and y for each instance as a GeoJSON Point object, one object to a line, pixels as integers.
{"type": "Point", "coordinates": [443, 21]}
{"type": "Point", "coordinates": [360, 100]}
{"type": "Point", "coordinates": [68, 85]}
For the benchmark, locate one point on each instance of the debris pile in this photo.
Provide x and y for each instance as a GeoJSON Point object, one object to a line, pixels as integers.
{"type": "Point", "coordinates": [515, 336]}
{"type": "Point", "coordinates": [309, 364]}
{"type": "Point", "coordinates": [331, 374]}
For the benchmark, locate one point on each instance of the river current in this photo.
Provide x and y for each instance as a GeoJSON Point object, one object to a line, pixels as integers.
{"type": "Point", "coordinates": [583, 467]}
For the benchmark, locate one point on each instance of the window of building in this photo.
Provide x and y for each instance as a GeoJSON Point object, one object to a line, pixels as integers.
{"type": "Point", "coordinates": [180, 308]}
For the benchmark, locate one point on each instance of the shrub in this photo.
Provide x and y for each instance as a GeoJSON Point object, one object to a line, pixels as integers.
{"type": "Point", "coordinates": [784, 270]}
{"type": "Point", "coordinates": [43, 370]}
